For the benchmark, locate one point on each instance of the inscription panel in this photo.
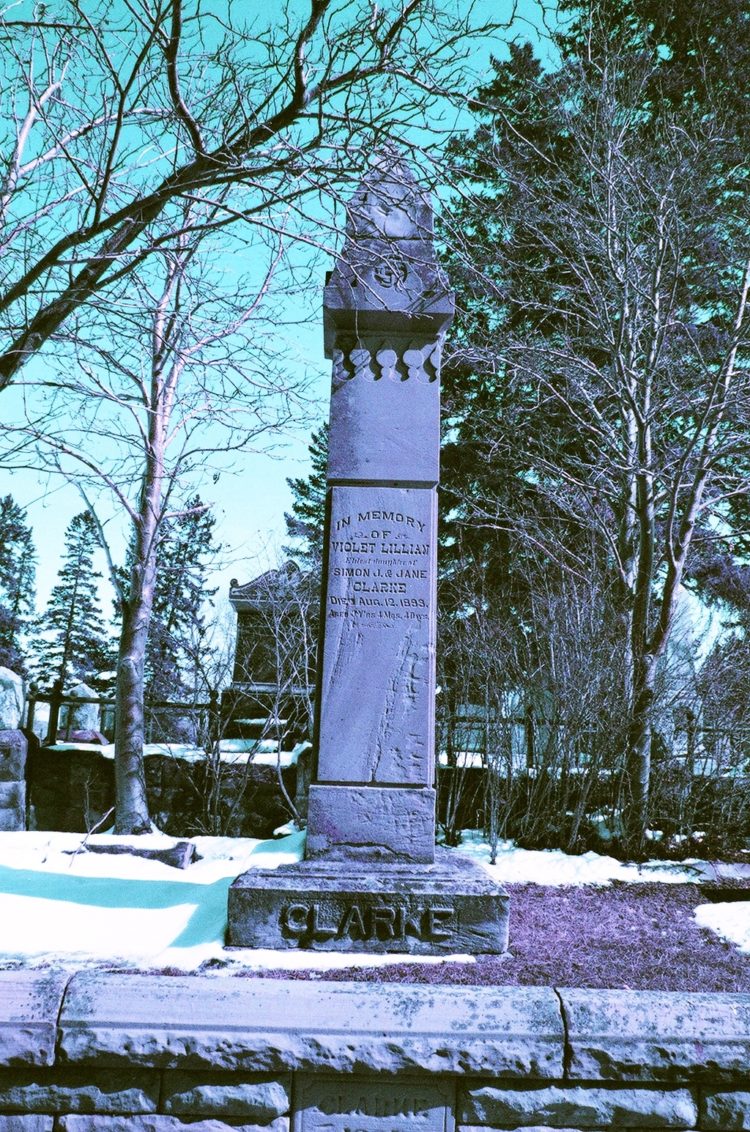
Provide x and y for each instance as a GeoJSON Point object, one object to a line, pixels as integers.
{"type": "Point", "coordinates": [349, 1104]}
{"type": "Point", "coordinates": [379, 654]}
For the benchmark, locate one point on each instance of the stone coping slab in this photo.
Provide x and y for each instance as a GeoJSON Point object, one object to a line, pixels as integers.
{"type": "Point", "coordinates": [656, 1035]}
{"type": "Point", "coordinates": [283, 1024]}
{"type": "Point", "coordinates": [30, 1004]}
{"type": "Point", "coordinates": [261, 1025]}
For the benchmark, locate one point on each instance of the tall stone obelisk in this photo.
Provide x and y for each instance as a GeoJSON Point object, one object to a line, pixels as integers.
{"type": "Point", "coordinates": [386, 309]}
{"type": "Point", "coordinates": [371, 880]}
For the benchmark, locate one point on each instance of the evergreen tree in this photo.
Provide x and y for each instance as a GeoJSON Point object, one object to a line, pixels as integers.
{"type": "Point", "coordinates": [176, 640]}
{"type": "Point", "coordinates": [597, 394]}
{"type": "Point", "coordinates": [307, 518]}
{"type": "Point", "coordinates": [17, 570]}
{"type": "Point", "coordinates": [73, 644]}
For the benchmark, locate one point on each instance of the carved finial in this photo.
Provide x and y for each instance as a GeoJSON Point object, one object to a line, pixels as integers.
{"type": "Point", "coordinates": [387, 277]}
{"type": "Point", "coordinates": [389, 202]}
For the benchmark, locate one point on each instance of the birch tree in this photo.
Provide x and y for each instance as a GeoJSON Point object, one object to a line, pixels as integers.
{"type": "Point", "coordinates": [145, 398]}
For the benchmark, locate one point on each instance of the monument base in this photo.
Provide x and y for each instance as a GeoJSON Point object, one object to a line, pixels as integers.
{"type": "Point", "coordinates": [449, 907]}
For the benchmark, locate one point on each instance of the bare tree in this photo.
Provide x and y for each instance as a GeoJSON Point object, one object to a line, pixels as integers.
{"type": "Point", "coordinates": [116, 114]}
{"type": "Point", "coordinates": [150, 393]}
{"type": "Point", "coordinates": [539, 703]}
{"type": "Point", "coordinates": [621, 286]}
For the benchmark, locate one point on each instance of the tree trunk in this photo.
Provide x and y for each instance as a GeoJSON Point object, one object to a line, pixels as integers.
{"type": "Point", "coordinates": [131, 803]}
{"type": "Point", "coordinates": [130, 782]}
{"type": "Point", "coordinates": [636, 813]}
{"type": "Point", "coordinates": [131, 809]}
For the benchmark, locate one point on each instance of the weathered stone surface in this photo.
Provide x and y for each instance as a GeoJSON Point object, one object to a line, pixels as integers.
{"type": "Point", "coordinates": [388, 275]}
{"type": "Point", "coordinates": [26, 1123]}
{"type": "Point", "coordinates": [273, 1025]}
{"type": "Point", "coordinates": [72, 790]}
{"type": "Point", "coordinates": [13, 749]}
{"type": "Point", "coordinates": [387, 306]}
{"type": "Point", "coordinates": [12, 820]}
{"type": "Point", "coordinates": [83, 717]}
{"type": "Point", "coordinates": [389, 202]}
{"type": "Point", "coordinates": [11, 699]}
{"type": "Point", "coordinates": [451, 906]}
{"type": "Point", "coordinates": [385, 429]}
{"type": "Point", "coordinates": [380, 638]}
{"type": "Point", "coordinates": [386, 823]}
{"type": "Point", "coordinates": [654, 1036]}
{"type": "Point", "coordinates": [262, 1099]}
{"type": "Point", "coordinates": [579, 1106]}
{"type": "Point", "coordinates": [161, 1124]}
{"type": "Point", "coordinates": [29, 1007]}
{"type": "Point", "coordinates": [337, 1104]}
{"type": "Point", "coordinates": [528, 1128]}
{"type": "Point", "coordinates": [79, 1090]}
{"type": "Point", "coordinates": [721, 1110]}
{"type": "Point", "coordinates": [12, 795]}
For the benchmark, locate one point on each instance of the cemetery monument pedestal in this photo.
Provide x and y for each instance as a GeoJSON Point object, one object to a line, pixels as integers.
{"type": "Point", "coordinates": [372, 879]}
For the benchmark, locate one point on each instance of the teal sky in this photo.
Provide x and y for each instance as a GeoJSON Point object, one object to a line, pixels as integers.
{"type": "Point", "coordinates": [249, 501]}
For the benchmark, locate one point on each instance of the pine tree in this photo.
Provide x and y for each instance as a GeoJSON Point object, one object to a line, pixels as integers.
{"type": "Point", "coordinates": [74, 645]}
{"type": "Point", "coordinates": [597, 397]}
{"type": "Point", "coordinates": [17, 569]}
{"type": "Point", "coordinates": [306, 520]}
{"type": "Point", "coordinates": [174, 653]}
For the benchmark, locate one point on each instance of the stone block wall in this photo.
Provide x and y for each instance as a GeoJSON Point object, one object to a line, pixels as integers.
{"type": "Point", "coordinates": [13, 749]}
{"type": "Point", "coordinates": [149, 1053]}
{"type": "Point", "coordinates": [71, 790]}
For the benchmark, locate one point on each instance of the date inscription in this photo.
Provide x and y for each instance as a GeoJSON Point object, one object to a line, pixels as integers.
{"type": "Point", "coordinates": [380, 567]}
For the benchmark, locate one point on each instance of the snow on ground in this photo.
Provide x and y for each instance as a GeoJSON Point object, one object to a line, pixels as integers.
{"type": "Point", "coordinates": [730, 920]}
{"type": "Point", "coordinates": [553, 866]}
{"type": "Point", "coordinates": [238, 752]}
{"type": "Point", "coordinates": [64, 906]}
{"type": "Point", "coordinates": [77, 908]}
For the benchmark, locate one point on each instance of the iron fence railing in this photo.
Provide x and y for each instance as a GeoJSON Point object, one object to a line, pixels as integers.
{"type": "Point", "coordinates": [61, 705]}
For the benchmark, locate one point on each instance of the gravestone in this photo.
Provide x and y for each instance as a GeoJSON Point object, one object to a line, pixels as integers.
{"type": "Point", "coordinates": [13, 751]}
{"type": "Point", "coordinates": [83, 716]}
{"type": "Point", "coordinates": [371, 879]}
{"type": "Point", "coordinates": [11, 699]}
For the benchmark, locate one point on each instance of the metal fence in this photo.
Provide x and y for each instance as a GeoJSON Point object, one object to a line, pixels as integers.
{"type": "Point", "coordinates": [61, 707]}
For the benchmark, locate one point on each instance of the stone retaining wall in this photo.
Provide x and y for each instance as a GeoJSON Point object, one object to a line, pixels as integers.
{"type": "Point", "coordinates": [13, 750]}
{"type": "Point", "coordinates": [154, 1053]}
{"type": "Point", "coordinates": [72, 790]}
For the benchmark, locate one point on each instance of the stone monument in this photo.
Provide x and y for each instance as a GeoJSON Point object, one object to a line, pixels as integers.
{"type": "Point", "coordinates": [371, 879]}
{"type": "Point", "coordinates": [13, 751]}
